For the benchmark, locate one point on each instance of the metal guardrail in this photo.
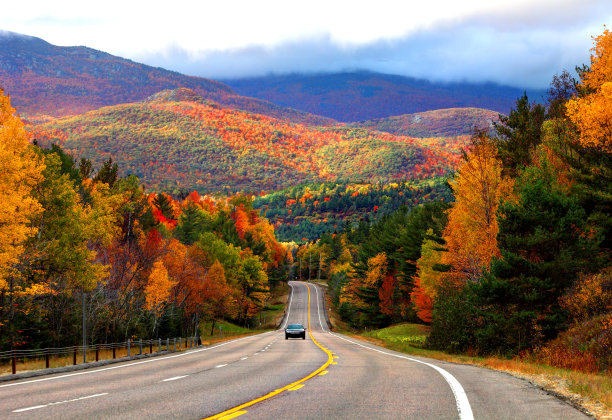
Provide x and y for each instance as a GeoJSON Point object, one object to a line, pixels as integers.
{"type": "Point", "coordinates": [133, 348]}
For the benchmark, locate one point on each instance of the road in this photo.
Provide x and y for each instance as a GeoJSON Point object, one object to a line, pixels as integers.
{"type": "Point", "coordinates": [326, 376]}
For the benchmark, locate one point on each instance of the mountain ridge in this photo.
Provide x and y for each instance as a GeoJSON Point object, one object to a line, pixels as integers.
{"type": "Point", "coordinates": [173, 143]}
{"type": "Point", "coordinates": [43, 78]}
{"type": "Point", "coordinates": [450, 122]}
{"type": "Point", "coordinates": [369, 95]}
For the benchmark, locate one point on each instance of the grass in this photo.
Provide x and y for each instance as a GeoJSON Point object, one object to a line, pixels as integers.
{"type": "Point", "coordinates": [591, 391]}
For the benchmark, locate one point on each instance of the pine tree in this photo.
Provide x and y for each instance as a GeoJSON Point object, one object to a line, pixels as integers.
{"type": "Point", "coordinates": [544, 242]}
{"type": "Point", "coordinates": [519, 133]}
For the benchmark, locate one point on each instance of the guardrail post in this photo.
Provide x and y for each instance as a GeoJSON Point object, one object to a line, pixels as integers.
{"type": "Point", "coordinates": [74, 362]}
{"type": "Point", "coordinates": [159, 342]}
{"type": "Point", "coordinates": [150, 346]}
{"type": "Point", "coordinates": [128, 347]}
{"type": "Point", "coordinates": [140, 346]}
{"type": "Point", "coordinates": [46, 360]}
{"type": "Point", "coordinates": [174, 344]}
{"type": "Point", "coordinates": [97, 352]}
{"type": "Point", "coordinates": [14, 363]}
{"type": "Point", "coordinates": [167, 344]}
{"type": "Point", "coordinates": [180, 343]}
{"type": "Point", "coordinates": [114, 353]}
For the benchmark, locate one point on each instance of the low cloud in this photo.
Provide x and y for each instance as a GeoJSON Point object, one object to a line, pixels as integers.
{"type": "Point", "coordinates": [508, 49]}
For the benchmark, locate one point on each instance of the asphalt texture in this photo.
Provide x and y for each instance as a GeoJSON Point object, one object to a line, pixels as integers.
{"type": "Point", "coordinates": [363, 382]}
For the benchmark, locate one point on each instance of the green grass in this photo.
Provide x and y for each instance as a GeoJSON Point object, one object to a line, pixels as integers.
{"type": "Point", "coordinates": [228, 329]}
{"type": "Point", "coordinates": [411, 335]}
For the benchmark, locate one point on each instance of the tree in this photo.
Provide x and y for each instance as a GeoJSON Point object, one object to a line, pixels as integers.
{"type": "Point", "coordinates": [21, 171]}
{"type": "Point", "coordinates": [518, 134]}
{"type": "Point", "coordinates": [192, 222]}
{"type": "Point", "coordinates": [107, 174]}
{"type": "Point", "coordinates": [545, 242]}
{"type": "Point", "coordinates": [428, 277]}
{"type": "Point", "coordinates": [158, 290]}
{"type": "Point", "coordinates": [471, 232]}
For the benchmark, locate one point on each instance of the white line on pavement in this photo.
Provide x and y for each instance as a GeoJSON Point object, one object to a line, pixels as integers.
{"type": "Point", "coordinates": [175, 378]}
{"type": "Point", "coordinates": [156, 359]}
{"type": "Point", "coordinates": [463, 405]}
{"type": "Point", "coordinates": [59, 402]}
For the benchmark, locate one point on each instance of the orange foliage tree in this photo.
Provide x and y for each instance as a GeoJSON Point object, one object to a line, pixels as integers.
{"type": "Point", "coordinates": [471, 232]}
{"type": "Point", "coordinates": [20, 172]}
{"type": "Point", "coordinates": [592, 112]}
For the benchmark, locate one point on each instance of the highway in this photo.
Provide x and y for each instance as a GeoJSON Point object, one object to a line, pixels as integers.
{"type": "Point", "coordinates": [326, 376]}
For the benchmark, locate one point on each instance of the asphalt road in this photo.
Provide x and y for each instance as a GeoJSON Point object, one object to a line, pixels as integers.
{"type": "Point", "coordinates": [326, 376]}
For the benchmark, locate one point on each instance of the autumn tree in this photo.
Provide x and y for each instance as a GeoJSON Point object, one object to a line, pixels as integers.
{"type": "Point", "coordinates": [158, 291]}
{"type": "Point", "coordinates": [21, 171]}
{"type": "Point", "coordinates": [545, 242]}
{"type": "Point", "coordinates": [471, 232]}
{"type": "Point", "coordinates": [428, 276]}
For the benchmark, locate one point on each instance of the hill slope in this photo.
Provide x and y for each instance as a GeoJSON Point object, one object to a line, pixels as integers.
{"type": "Point", "coordinates": [179, 140]}
{"type": "Point", "coordinates": [358, 96]}
{"type": "Point", "coordinates": [42, 78]}
{"type": "Point", "coordinates": [450, 122]}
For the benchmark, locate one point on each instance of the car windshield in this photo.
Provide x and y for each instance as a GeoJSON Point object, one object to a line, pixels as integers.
{"type": "Point", "coordinates": [295, 327]}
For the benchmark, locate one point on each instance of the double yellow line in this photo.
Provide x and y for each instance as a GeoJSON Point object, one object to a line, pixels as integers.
{"type": "Point", "coordinates": [238, 410]}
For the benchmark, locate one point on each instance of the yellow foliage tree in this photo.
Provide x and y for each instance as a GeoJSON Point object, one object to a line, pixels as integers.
{"type": "Point", "coordinates": [20, 171]}
{"type": "Point", "coordinates": [471, 232]}
{"type": "Point", "coordinates": [592, 113]}
{"type": "Point", "coordinates": [158, 288]}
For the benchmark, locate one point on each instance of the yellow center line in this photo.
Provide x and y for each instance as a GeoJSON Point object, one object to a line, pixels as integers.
{"type": "Point", "coordinates": [285, 388]}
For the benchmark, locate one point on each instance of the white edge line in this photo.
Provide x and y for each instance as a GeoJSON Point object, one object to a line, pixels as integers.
{"type": "Point", "coordinates": [35, 407]}
{"type": "Point", "coordinates": [220, 366]}
{"type": "Point", "coordinates": [463, 404]}
{"type": "Point", "coordinates": [29, 408]}
{"type": "Point", "coordinates": [318, 308]}
{"type": "Point", "coordinates": [156, 359]}
{"type": "Point", "coordinates": [174, 378]}
{"type": "Point", "coordinates": [289, 308]}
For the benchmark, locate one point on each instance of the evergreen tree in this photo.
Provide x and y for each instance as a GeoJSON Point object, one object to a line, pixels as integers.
{"type": "Point", "coordinates": [192, 223]}
{"type": "Point", "coordinates": [163, 204]}
{"type": "Point", "coordinates": [519, 133]}
{"type": "Point", "coordinates": [544, 242]}
{"type": "Point", "coordinates": [108, 173]}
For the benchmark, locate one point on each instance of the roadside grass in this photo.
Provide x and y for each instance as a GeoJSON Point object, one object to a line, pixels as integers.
{"type": "Point", "coordinates": [590, 391]}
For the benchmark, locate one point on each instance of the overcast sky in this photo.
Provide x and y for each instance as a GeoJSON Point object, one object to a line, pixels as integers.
{"type": "Point", "coordinates": [517, 42]}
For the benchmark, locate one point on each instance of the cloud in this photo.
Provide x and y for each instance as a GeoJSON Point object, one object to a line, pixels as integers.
{"type": "Point", "coordinates": [517, 42]}
{"type": "Point", "coordinates": [468, 51]}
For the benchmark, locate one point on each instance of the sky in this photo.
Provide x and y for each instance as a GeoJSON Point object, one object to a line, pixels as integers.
{"type": "Point", "coordinates": [520, 43]}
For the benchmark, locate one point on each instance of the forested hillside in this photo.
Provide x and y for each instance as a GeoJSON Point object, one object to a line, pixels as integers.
{"type": "Point", "coordinates": [450, 122]}
{"type": "Point", "coordinates": [178, 141]}
{"type": "Point", "coordinates": [148, 265]}
{"type": "Point", "coordinates": [306, 212]}
{"type": "Point", "coordinates": [51, 80]}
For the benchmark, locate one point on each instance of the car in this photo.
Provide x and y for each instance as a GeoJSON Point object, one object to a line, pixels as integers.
{"type": "Point", "coordinates": [295, 331]}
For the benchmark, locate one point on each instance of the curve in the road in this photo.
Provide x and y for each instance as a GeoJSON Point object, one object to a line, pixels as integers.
{"type": "Point", "coordinates": [463, 405]}
{"type": "Point", "coordinates": [238, 410]}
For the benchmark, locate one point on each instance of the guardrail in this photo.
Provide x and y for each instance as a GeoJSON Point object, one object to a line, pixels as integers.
{"type": "Point", "coordinates": [127, 348]}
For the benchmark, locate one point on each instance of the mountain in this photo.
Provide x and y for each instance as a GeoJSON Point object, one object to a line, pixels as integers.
{"type": "Point", "coordinates": [178, 140]}
{"type": "Point", "coordinates": [42, 78]}
{"type": "Point", "coordinates": [358, 96]}
{"type": "Point", "coordinates": [450, 122]}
